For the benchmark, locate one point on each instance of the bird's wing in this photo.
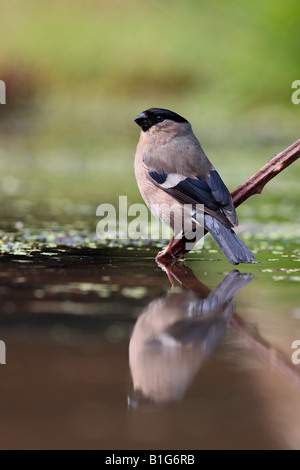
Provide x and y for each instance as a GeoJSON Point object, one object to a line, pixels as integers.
{"type": "Point", "coordinates": [222, 195]}
{"type": "Point", "coordinates": [210, 191]}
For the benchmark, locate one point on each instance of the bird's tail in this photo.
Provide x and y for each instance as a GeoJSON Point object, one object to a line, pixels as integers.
{"type": "Point", "coordinates": [233, 248]}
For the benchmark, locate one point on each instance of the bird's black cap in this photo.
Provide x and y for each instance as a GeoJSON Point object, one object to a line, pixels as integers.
{"type": "Point", "coordinates": [153, 116]}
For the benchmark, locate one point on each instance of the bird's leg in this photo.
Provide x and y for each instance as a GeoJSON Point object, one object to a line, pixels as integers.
{"type": "Point", "coordinates": [166, 252]}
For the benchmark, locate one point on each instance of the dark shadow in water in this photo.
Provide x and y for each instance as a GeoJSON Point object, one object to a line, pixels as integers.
{"type": "Point", "coordinates": [175, 334]}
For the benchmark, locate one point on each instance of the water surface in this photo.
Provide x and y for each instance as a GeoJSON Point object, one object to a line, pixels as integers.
{"type": "Point", "coordinates": [104, 350]}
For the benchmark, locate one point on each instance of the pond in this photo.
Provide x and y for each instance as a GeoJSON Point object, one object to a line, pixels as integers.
{"type": "Point", "coordinates": [107, 349]}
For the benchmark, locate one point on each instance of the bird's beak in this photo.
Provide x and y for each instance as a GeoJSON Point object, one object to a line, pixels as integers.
{"type": "Point", "coordinates": [141, 120]}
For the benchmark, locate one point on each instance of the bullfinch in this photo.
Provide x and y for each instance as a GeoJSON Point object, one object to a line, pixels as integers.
{"type": "Point", "coordinates": [172, 171]}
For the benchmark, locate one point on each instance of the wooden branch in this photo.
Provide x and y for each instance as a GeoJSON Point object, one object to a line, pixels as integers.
{"type": "Point", "coordinates": [253, 185]}
{"type": "Point", "coordinates": [256, 183]}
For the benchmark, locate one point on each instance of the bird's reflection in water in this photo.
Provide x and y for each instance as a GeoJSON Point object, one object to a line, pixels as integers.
{"type": "Point", "coordinates": [175, 334]}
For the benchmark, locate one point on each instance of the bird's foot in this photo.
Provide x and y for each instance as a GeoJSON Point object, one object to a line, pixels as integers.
{"type": "Point", "coordinates": [166, 254]}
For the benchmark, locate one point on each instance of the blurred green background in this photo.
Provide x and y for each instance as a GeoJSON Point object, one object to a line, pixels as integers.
{"type": "Point", "coordinates": [78, 73]}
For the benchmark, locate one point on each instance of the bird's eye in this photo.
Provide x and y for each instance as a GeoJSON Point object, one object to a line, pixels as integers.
{"type": "Point", "coordinates": [159, 118]}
